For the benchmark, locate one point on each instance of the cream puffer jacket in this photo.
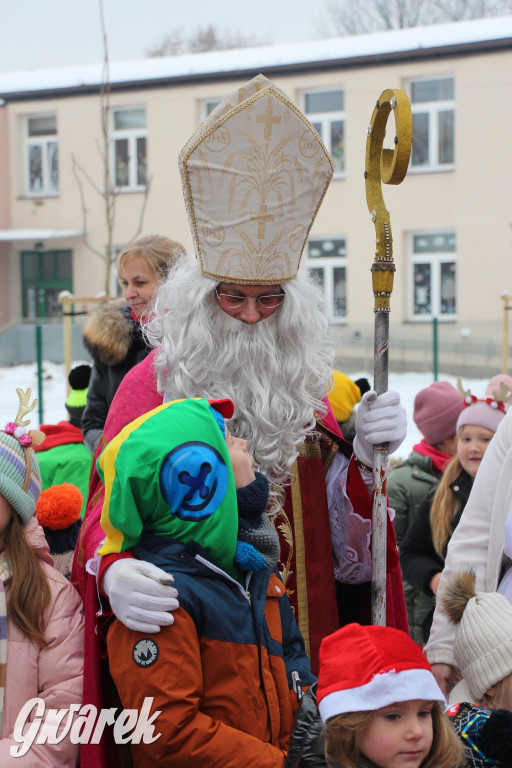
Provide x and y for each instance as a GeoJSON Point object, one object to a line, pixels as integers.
{"type": "Point", "coordinates": [478, 541]}
{"type": "Point", "coordinates": [53, 673]}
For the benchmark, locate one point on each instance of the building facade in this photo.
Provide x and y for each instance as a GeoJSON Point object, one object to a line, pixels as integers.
{"type": "Point", "coordinates": [451, 217]}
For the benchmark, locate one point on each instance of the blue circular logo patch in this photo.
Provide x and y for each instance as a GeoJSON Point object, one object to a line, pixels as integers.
{"type": "Point", "coordinates": [193, 481]}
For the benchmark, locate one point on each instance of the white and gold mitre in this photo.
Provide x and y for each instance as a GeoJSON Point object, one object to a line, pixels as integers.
{"type": "Point", "coordinates": [254, 174]}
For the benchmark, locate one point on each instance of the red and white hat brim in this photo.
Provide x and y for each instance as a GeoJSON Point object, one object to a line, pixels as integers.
{"type": "Point", "coordinates": [383, 690]}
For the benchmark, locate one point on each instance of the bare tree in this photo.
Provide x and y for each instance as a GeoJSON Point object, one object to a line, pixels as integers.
{"type": "Point", "coordinates": [106, 188]}
{"type": "Point", "coordinates": [457, 10]}
{"type": "Point", "coordinates": [203, 39]}
{"type": "Point", "coordinates": [351, 17]}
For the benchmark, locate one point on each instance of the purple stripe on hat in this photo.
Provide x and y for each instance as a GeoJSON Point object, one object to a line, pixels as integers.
{"type": "Point", "coordinates": [34, 487]}
{"type": "Point", "coordinates": [3, 627]}
{"type": "Point", "coordinates": [13, 458]}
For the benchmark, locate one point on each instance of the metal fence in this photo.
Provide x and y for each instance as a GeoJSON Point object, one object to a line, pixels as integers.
{"type": "Point", "coordinates": [18, 344]}
{"type": "Point", "coordinates": [19, 347]}
{"type": "Point", "coordinates": [468, 358]}
{"type": "Point", "coordinates": [32, 356]}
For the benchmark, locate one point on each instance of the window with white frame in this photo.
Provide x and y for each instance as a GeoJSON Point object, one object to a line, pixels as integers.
{"type": "Point", "coordinates": [207, 107]}
{"type": "Point", "coordinates": [42, 155]}
{"type": "Point", "coordinates": [129, 148]}
{"type": "Point", "coordinates": [433, 123]}
{"type": "Point", "coordinates": [326, 112]}
{"type": "Point", "coordinates": [327, 265]}
{"type": "Point", "coordinates": [433, 284]}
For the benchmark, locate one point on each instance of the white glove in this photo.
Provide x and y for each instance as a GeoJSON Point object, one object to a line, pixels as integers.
{"type": "Point", "coordinates": [379, 419]}
{"type": "Point", "coordinates": [140, 594]}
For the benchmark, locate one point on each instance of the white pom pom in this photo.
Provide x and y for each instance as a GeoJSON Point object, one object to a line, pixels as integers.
{"type": "Point", "coordinates": [19, 431]}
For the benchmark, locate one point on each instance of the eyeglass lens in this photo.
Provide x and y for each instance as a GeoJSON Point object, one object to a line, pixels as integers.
{"type": "Point", "coordinates": [267, 301]}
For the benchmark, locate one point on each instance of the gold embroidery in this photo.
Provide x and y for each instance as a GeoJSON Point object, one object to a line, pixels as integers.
{"type": "Point", "coordinates": [268, 119]}
{"type": "Point", "coordinates": [263, 218]}
{"type": "Point", "coordinates": [300, 558]}
{"type": "Point", "coordinates": [243, 175]}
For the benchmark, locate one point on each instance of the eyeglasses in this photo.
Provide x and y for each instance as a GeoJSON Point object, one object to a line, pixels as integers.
{"type": "Point", "coordinates": [267, 301]}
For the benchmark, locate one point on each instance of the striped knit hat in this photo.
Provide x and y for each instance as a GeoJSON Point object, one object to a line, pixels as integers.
{"type": "Point", "coordinates": [20, 478]}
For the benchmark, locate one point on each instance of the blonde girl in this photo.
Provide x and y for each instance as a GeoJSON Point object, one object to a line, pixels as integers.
{"type": "Point", "coordinates": [41, 623]}
{"type": "Point", "coordinates": [380, 703]}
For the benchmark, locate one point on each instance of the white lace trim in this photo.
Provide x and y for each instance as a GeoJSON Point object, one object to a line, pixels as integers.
{"type": "Point", "coordinates": [350, 533]}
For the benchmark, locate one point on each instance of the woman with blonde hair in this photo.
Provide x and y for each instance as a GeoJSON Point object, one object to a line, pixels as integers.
{"type": "Point", "coordinates": [424, 547]}
{"type": "Point", "coordinates": [113, 335]}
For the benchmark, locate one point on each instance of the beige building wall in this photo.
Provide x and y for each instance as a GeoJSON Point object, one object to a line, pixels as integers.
{"type": "Point", "coordinates": [474, 200]}
{"type": "Point", "coordinates": [5, 216]}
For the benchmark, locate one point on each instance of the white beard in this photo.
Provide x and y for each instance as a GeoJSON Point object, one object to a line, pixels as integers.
{"type": "Point", "coordinates": [276, 371]}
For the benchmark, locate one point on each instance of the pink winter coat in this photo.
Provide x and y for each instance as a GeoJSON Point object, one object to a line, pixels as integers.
{"type": "Point", "coordinates": [53, 673]}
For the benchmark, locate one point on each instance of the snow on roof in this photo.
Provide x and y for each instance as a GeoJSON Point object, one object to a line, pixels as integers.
{"type": "Point", "coordinates": [11, 235]}
{"type": "Point", "coordinates": [260, 58]}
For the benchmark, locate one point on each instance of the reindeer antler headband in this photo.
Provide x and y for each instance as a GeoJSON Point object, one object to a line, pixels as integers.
{"type": "Point", "coordinates": [501, 397]}
{"type": "Point", "coordinates": [17, 430]}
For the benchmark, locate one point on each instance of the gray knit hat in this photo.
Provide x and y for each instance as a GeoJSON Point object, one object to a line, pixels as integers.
{"type": "Point", "coordinates": [20, 478]}
{"type": "Point", "coordinates": [483, 635]}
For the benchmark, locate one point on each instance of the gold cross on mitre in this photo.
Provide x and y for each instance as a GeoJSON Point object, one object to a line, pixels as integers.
{"type": "Point", "coordinates": [263, 218]}
{"type": "Point", "coordinates": [252, 154]}
{"type": "Point", "coordinates": [269, 120]}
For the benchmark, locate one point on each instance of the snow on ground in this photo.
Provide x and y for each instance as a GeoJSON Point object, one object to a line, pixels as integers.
{"type": "Point", "coordinates": [54, 394]}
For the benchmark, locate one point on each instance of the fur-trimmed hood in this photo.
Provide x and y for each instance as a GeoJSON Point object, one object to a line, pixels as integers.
{"type": "Point", "coordinates": [109, 333]}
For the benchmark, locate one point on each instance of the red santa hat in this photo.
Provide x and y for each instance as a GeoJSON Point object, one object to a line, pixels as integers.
{"type": "Point", "coordinates": [364, 668]}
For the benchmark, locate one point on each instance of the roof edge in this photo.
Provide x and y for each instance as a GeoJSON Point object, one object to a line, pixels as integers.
{"type": "Point", "coordinates": [480, 47]}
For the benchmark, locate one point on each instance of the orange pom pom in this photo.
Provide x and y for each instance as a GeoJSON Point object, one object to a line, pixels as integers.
{"type": "Point", "coordinates": [59, 506]}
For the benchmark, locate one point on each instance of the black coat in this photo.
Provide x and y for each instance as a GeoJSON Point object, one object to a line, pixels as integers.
{"type": "Point", "coordinates": [418, 558]}
{"type": "Point", "coordinates": [116, 344]}
{"type": "Point", "coordinates": [306, 741]}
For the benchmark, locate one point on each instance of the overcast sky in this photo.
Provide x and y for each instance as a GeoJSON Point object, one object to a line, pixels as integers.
{"type": "Point", "coordinates": [52, 33]}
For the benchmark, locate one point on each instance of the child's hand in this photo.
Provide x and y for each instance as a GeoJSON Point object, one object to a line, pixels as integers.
{"type": "Point", "coordinates": [140, 594]}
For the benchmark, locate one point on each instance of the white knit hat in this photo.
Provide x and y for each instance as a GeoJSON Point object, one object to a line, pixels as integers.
{"type": "Point", "coordinates": [483, 635]}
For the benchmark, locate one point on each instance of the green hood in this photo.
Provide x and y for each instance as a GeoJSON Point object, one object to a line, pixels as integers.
{"type": "Point", "coordinates": [169, 472]}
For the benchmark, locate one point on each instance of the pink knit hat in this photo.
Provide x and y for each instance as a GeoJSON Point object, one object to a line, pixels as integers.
{"type": "Point", "coordinates": [436, 410]}
{"type": "Point", "coordinates": [481, 413]}
{"type": "Point", "coordinates": [500, 387]}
